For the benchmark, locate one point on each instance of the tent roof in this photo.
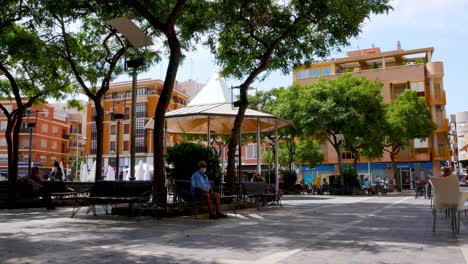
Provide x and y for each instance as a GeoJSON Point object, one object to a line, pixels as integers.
{"type": "Point", "coordinates": [194, 120]}
{"type": "Point", "coordinates": [212, 106]}
{"type": "Point", "coordinates": [216, 91]}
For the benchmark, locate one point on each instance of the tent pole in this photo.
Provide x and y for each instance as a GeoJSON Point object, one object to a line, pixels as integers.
{"type": "Point", "coordinates": [259, 165]}
{"type": "Point", "coordinates": [276, 160]}
{"type": "Point", "coordinates": [209, 132]}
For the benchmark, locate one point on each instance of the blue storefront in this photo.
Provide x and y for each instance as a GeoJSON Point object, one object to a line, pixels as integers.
{"type": "Point", "coordinates": [407, 171]}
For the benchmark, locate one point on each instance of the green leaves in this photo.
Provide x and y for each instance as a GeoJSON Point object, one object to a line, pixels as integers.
{"type": "Point", "coordinates": [408, 117]}
{"type": "Point", "coordinates": [273, 35]}
{"type": "Point", "coordinates": [38, 73]}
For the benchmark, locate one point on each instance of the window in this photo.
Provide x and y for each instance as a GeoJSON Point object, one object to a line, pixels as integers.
{"type": "Point", "coordinates": [347, 155]}
{"type": "Point", "coordinates": [93, 131]}
{"type": "Point", "coordinates": [128, 94]}
{"type": "Point", "coordinates": [3, 157]}
{"type": "Point", "coordinates": [326, 71]}
{"type": "Point", "coordinates": [114, 95]}
{"type": "Point", "coordinates": [140, 127]}
{"type": "Point", "coordinates": [398, 88]}
{"type": "Point", "coordinates": [112, 129]}
{"type": "Point", "coordinates": [53, 158]}
{"type": "Point", "coordinates": [45, 128]}
{"type": "Point", "coordinates": [112, 147]}
{"type": "Point", "coordinates": [140, 110]}
{"type": "Point", "coordinates": [54, 129]}
{"type": "Point", "coordinates": [43, 159]}
{"type": "Point", "coordinates": [141, 91]}
{"type": "Point", "coordinates": [3, 142]}
{"type": "Point", "coordinates": [127, 113]}
{"type": "Point", "coordinates": [140, 144]}
{"type": "Point", "coordinates": [126, 128]}
{"type": "Point", "coordinates": [3, 125]}
{"type": "Point", "coordinates": [420, 143]}
{"type": "Point", "coordinates": [43, 143]}
{"type": "Point", "coordinates": [45, 112]}
{"type": "Point", "coordinates": [93, 146]}
{"type": "Point", "coordinates": [302, 74]}
{"type": "Point", "coordinates": [417, 86]}
{"type": "Point", "coordinates": [125, 146]}
{"type": "Point", "coordinates": [315, 72]}
{"type": "Point", "coordinates": [53, 145]}
{"type": "Point", "coordinates": [251, 151]}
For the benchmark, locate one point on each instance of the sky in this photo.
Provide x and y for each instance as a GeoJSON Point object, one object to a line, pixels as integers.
{"type": "Point", "coordinates": [441, 24]}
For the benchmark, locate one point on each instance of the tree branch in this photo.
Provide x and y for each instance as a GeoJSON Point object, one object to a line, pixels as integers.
{"type": "Point", "coordinates": [140, 8]}
{"type": "Point", "coordinates": [13, 83]}
{"type": "Point", "coordinates": [68, 57]}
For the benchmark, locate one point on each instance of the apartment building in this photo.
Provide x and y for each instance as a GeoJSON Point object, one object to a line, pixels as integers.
{"type": "Point", "coordinates": [398, 70]}
{"type": "Point", "coordinates": [44, 134]}
{"type": "Point", "coordinates": [117, 131]}
{"type": "Point", "coordinates": [459, 139]}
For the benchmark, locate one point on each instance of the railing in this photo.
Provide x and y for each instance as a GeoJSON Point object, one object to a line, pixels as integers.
{"type": "Point", "coordinates": [442, 125]}
{"type": "Point", "coordinates": [441, 153]}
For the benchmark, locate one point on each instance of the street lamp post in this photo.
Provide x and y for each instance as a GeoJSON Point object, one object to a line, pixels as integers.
{"type": "Point", "coordinates": [30, 128]}
{"type": "Point", "coordinates": [76, 162]}
{"type": "Point", "coordinates": [138, 39]}
{"type": "Point", "coordinates": [118, 117]}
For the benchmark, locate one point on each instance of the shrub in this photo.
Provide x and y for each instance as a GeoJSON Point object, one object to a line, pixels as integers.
{"type": "Point", "coordinates": [184, 158]}
{"type": "Point", "coordinates": [289, 179]}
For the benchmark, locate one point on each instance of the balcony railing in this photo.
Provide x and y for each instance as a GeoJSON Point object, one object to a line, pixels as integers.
{"type": "Point", "coordinates": [442, 125]}
{"type": "Point", "coordinates": [438, 98]}
{"type": "Point", "coordinates": [441, 153]}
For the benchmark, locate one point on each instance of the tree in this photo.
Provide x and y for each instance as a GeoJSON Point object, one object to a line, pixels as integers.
{"type": "Point", "coordinates": [93, 51]}
{"type": "Point", "coordinates": [309, 152]}
{"type": "Point", "coordinates": [32, 75]}
{"type": "Point", "coordinates": [182, 23]}
{"type": "Point", "coordinates": [407, 117]}
{"type": "Point", "coordinates": [333, 107]}
{"type": "Point", "coordinates": [254, 37]}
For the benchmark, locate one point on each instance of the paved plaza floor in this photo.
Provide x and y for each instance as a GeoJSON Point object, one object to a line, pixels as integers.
{"type": "Point", "coordinates": [308, 229]}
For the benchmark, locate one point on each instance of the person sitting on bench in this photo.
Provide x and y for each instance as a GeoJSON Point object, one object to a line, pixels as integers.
{"type": "Point", "coordinates": [34, 184]}
{"type": "Point", "coordinates": [201, 188]}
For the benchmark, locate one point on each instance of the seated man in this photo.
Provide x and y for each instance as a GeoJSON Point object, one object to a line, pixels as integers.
{"type": "Point", "coordinates": [35, 184]}
{"type": "Point", "coordinates": [201, 188]}
{"type": "Point", "coordinates": [365, 185]}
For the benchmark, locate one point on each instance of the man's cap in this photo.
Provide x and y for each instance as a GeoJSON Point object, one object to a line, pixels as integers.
{"type": "Point", "coordinates": [202, 164]}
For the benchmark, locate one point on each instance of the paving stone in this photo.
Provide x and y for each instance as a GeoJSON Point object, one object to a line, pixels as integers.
{"type": "Point", "coordinates": [309, 229]}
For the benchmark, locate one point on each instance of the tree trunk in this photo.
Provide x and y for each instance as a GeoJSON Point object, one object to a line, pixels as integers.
{"type": "Point", "coordinates": [159, 188]}
{"type": "Point", "coordinates": [99, 138]}
{"type": "Point", "coordinates": [395, 171]}
{"type": "Point", "coordinates": [231, 170]}
{"type": "Point", "coordinates": [340, 161]}
{"type": "Point", "coordinates": [13, 159]}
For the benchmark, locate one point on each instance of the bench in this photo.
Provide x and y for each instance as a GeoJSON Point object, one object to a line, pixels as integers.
{"type": "Point", "coordinates": [259, 193]}
{"type": "Point", "coordinates": [183, 190]}
{"type": "Point", "coordinates": [28, 197]}
{"type": "Point", "coordinates": [108, 193]}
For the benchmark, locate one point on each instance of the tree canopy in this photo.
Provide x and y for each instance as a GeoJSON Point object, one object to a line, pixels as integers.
{"type": "Point", "coordinates": [347, 106]}
{"type": "Point", "coordinates": [255, 37]}
{"type": "Point", "coordinates": [407, 117]}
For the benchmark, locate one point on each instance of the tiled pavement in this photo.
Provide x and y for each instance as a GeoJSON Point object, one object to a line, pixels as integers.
{"type": "Point", "coordinates": [309, 229]}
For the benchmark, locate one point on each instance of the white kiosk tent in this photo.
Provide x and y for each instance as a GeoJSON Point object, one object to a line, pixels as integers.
{"type": "Point", "coordinates": [211, 112]}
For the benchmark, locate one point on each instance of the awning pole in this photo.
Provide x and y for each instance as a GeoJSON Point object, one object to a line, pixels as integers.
{"type": "Point", "coordinates": [259, 165]}
{"type": "Point", "coordinates": [209, 133]}
{"type": "Point", "coordinates": [276, 160]}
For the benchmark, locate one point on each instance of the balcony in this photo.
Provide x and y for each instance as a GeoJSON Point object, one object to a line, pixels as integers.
{"type": "Point", "coordinates": [442, 153]}
{"type": "Point", "coordinates": [442, 126]}
{"type": "Point", "coordinates": [438, 98]}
